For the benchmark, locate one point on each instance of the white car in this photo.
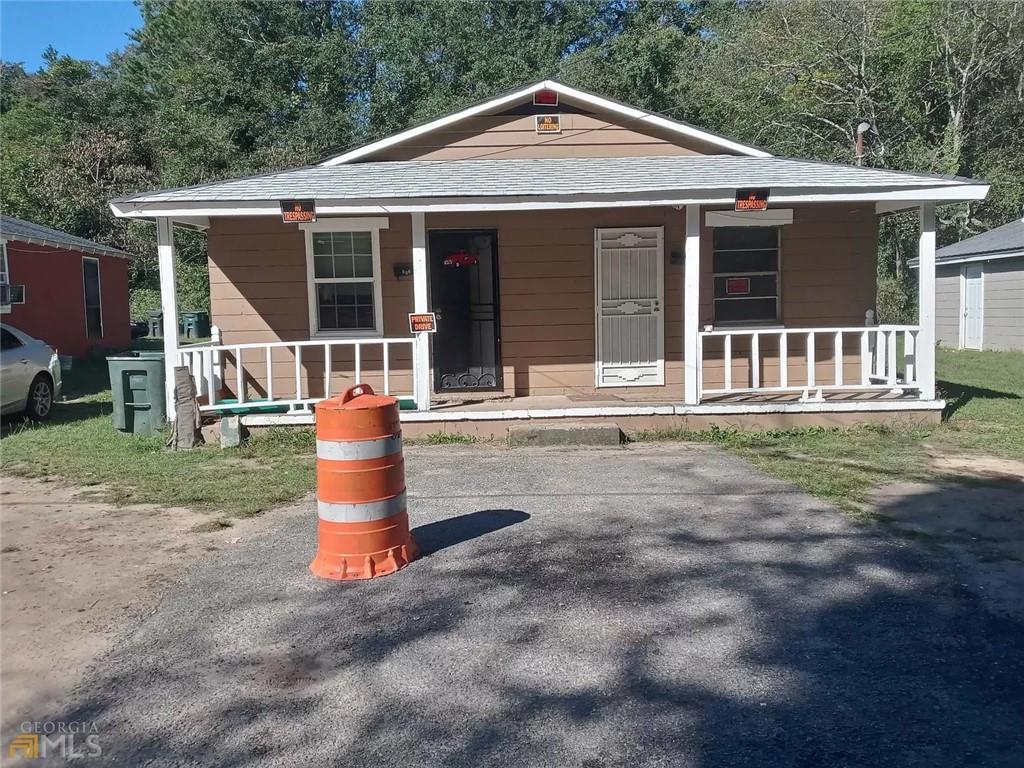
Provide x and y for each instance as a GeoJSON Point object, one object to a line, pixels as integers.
{"type": "Point", "coordinates": [29, 374]}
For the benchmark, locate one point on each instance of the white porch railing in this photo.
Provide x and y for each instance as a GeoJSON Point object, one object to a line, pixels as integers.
{"type": "Point", "coordinates": [207, 362]}
{"type": "Point", "coordinates": [882, 362]}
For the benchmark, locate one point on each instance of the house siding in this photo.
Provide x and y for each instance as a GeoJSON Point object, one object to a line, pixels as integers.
{"type": "Point", "coordinates": [515, 136]}
{"type": "Point", "coordinates": [1004, 304]}
{"type": "Point", "coordinates": [54, 308]}
{"type": "Point", "coordinates": [546, 284]}
{"type": "Point", "coordinates": [947, 306]}
{"type": "Point", "coordinates": [258, 294]}
{"type": "Point", "coordinates": [828, 278]}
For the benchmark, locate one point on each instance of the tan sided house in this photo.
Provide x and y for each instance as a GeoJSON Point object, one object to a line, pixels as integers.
{"type": "Point", "coordinates": [581, 258]}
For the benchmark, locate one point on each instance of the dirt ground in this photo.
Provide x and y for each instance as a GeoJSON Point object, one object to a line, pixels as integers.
{"type": "Point", "coordinates": [74, 571]}
{"type": "Point", "coordinates": [978, 466]}
{"type": "Point", "coordinates": [975, 512]}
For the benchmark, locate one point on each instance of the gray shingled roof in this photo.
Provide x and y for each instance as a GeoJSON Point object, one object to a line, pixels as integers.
{"type": "Point", "coordinates": [1009, 237]}
{"type": "Point", "coordinates": [27, 232]}
{"type": "Point", "coordinates": [1007, 240]}
{"type": "Point", "coordinates": [549, 176]}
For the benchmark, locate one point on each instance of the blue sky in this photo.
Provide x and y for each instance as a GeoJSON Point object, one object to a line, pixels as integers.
{"type": "Point", "coordinates": [85, 29]}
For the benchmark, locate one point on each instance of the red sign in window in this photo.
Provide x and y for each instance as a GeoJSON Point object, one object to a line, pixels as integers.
{"type": "Point", "coordinates": [737, 286]}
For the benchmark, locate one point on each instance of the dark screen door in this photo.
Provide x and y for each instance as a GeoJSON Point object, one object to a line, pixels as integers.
{"type": "Point", "coordinates": [93, 303]}
{"type": "Point", "coordinates": [464, 289]}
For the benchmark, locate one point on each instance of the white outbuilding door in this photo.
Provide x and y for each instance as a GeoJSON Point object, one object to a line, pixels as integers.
{"type": "Point", "coordinates": [974, 301]}
{"type": "Point", "coordinates": [630, 286]}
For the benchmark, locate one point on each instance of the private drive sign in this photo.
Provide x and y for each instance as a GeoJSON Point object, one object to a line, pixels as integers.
{"type": "Point", "coordinates": [422, 322]}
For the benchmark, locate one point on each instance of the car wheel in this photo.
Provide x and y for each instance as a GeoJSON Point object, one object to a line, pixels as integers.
{"type": "Point", "coordinates": [40, 398]}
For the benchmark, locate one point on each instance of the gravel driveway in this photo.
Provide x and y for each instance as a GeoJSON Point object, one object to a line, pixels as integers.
{"type": "Point", "coordinates": [645, 606]}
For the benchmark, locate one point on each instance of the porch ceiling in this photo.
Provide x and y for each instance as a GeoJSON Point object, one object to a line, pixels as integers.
{"type": "Point", "coordinates": [649, 180]}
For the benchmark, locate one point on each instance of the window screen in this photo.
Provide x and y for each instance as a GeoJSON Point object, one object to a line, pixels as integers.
{"type": "Point", "coordinates": [746, 274]}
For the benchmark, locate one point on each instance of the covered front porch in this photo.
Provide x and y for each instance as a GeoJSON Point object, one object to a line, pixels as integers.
{"type": "Point", "coordinates": [644, 293]}
{"type": "Point", "coordinates": [744, 388]}
{"type": "Point", "coordinates": [705, 370]}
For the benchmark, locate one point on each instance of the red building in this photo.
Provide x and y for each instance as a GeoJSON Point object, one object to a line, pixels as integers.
{"type": "Point", "coordinates": [70, 292]}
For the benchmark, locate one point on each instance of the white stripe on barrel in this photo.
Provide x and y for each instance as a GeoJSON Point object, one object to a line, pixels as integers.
{"type": "Point", "coordinates": [355, 450]}
{"type": "Point", "coordinates": [360, 513]}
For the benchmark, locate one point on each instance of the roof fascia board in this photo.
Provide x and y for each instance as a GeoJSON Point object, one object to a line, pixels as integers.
{"type": "Point", "coordinates": [327, 207]}
{"type": "Point", "coordinates": [113, 253]}
{"type": "Point", "coordinates": [940, 262]}
{"type": "Point", "coordinates": [563, 90]}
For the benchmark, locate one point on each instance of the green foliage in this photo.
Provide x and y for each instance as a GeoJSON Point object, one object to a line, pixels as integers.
{"type": "Point", "coordinates": [79, 443]}
{"type": "Point", "coordinates": [208, 90]}
{"type": "Point", "coordinates": [895, 301]}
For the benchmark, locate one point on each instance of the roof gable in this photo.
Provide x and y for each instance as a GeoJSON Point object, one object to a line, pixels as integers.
{"type": "Point", "coordinates": [636, 119]}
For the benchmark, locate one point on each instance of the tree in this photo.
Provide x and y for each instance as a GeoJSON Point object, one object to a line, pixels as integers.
{"type": "Point", "coordinates": [211, 90]}
{"type": "Point", "coordinates": [939, 84]}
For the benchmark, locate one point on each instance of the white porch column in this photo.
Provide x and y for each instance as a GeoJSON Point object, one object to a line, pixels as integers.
{"type": "Point", "coordinates": [166, 258]}
{"type": "Point", "coordinates": [421, 360]}
{"type": "Point", "coordinates": [925, 347]}
{"type": "Point", "coordinates": [691, 307]}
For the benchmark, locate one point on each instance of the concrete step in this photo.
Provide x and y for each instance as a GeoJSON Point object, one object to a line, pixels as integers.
{"type": "Point", "coordinates": [565, 433]}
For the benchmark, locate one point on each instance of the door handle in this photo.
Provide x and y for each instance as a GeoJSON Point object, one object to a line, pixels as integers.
{"type": "Point", "coordinates": [24, 361]}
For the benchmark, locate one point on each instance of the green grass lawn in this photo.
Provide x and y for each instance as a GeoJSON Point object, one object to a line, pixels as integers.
{"type": "Point", "coordinates": [81, 445]}
{"type": "Point", "coordinates": [985, 391]}
{"type": "Point", "coordinates": [985, 396]}
{"type": "Point", "coordinates": [985, 416]}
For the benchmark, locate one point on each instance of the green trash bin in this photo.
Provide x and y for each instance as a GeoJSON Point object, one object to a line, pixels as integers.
{"type": "Point", "coordinates": [156, 324]}
{"type": "Point", "coordinates": [137, 385]}
{"type": "Point", "coordinates": [196, 325]}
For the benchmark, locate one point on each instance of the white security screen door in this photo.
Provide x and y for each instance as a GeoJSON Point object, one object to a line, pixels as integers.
{"type": "Point", "coordinates": [630, 294]}
{"type": "Point", "coordinates": [974, 298]}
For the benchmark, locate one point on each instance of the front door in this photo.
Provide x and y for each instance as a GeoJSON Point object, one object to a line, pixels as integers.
{"type": "Point", "coordinates": [974, 297]}
{"type": "Point", "coordinates": [630, 293]}
{"type": "Point", "coordinates": [464, 292]}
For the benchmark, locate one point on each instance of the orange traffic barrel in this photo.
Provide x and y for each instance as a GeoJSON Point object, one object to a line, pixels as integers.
{"type": "Point", "coordinates": [363, 527]}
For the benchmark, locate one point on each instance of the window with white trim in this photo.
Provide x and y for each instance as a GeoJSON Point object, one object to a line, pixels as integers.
{"type": "Point", "coordinates": [746, 274]}
{"type": "Point", "coordinates": [343, 260]}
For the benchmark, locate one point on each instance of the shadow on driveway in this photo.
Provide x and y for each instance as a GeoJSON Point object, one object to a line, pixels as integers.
{"type": "Point", "coordinates": [652, 606]}
{"type": "Point", "coordinates": [433, 537]}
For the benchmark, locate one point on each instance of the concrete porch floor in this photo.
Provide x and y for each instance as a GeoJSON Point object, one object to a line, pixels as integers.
{"type": "Point", "coordinates": [481, 402]}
